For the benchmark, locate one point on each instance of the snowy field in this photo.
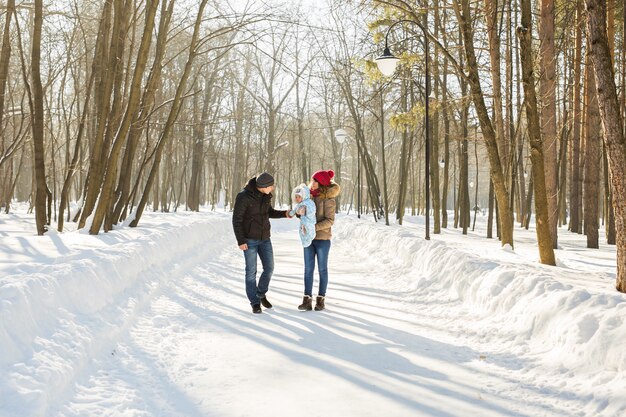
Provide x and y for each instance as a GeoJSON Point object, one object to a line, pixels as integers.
{"type": "Point", "coordinates": [153, 321]}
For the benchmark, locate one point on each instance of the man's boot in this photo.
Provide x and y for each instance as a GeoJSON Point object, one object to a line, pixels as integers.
{"type": "Point", "coordinates": [319, 303]}
{"type": "Point", "coordinates": [306, 303]}
{"type": "Point", "coordinates": [265, 303]}
{"type": "Point", "coordinates": [256, 308]}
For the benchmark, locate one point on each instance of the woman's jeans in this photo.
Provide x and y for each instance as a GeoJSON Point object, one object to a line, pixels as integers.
{"type": "Point", "coordinates": [319, 249]}
{"type": "Point", "coordinates": [262, 248]}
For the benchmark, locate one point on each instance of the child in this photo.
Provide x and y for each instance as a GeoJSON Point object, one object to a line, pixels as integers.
{"type": "Point", "coordinates": [305, 207]}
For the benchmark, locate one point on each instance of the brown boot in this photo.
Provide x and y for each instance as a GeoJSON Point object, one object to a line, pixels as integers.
{"type": "Point", "coordinates": [319, 303]}
{"type": "Point", "coordinates": [306, 303]}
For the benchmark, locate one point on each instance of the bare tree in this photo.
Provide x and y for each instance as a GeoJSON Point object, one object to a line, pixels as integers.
{"type": "Point", "coordinates": [5, 56]}
{"type": "Point", "coordinates": [41, 187]}
{"type": "Point", "coordinates": [593, 138]}
{"type": "Point", "coordinates": [173, 114]}
{"type": "Point", "coordinates": [547, 87]}
{"type": "Point", "coordinates": [544, 240]}
{"type": "Point", "coordinates": [612, 124]}
{"type": "Point", "coordinates": [464, 14]}
{"type": "Point", "coordinates": [576, 178]}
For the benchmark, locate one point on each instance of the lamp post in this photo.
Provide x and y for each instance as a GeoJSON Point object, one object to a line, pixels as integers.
{"type": "Point", "coordinates": [387, 63]}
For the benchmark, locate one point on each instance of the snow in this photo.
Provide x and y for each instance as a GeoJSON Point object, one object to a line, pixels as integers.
{"type": "Point", "coordinates": [153, 321]}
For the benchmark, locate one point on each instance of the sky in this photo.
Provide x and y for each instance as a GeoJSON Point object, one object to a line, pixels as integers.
{"type": "Point", "coordinates": [153, 321]}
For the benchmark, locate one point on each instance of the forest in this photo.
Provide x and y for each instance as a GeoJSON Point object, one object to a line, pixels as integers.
{"type": "Point", "coordinates": [512, 110]}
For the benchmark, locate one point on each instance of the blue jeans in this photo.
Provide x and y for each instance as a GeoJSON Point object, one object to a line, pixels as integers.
{"type": "Point", "coordinates": [319, 249]}
{"type": "Point", "coordinates": [262, 248]}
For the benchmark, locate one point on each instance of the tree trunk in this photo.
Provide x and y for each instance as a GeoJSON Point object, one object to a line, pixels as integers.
{"type": "Point", "coordinates": [446, 147]}
{"type": "Point", "coordinates": [529, 202]}
{"type": "Point", "coordinates": [104, 68]}
{"type": "Point", "coordinates": [548, 111]}
{"type": "Point", "coordinates": [41, 188]}
{"type": "Point", "coordinates": [434, 126]}
{"type": "Point", "coordinates": [197, 150]}
{"type": "Point", "coordinates": [464, 200]}
{"type": "Point", "coordinates": [239, 168]}
{"type": "Point", "coordinates": [404, 156]}
{"type": "Point", "coordinates": [509, 123]}
{"type": "Point", "coordinates": [544, 239]}
{"type": "Point", "coordinates": [373, 187]}
{"type": "Point", "coordinates": [624, 68]}
{"type": "Point", "coordinates": [612, 124]}
{"type": "Point", "coordinates": [71, 169]}
{"type": "Point", "coordinates": [493, 34]}
{"type": "Point", "coordinates": [591, 180]}
{"type": "Point", "coordinates": [562, 166]}
{"type": "Point", "coordinates": [382, 153]}
{"type": "Point", "coordinates": [5, 57]}
{"type": "Point", "coordinates": [609, 213]}
{"type": "Point", "coordinates": [491, 209]}
{"type": "Point", "coordinates": [574, 197]}
{"type": "Point", "coordinates": [105, 200]}
{"type": "Point", "coordinates": [489, 135]}
{"type": "Point", "coordinates": [6, 171]}
{"type": "Point", "coordinates": [173, 115]}
{"type": "Point", "coordinates": [608, 201]}
{"type": "Point", "coordinates": [123, 190]}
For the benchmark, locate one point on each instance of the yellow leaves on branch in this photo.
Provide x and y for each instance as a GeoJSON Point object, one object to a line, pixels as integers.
{"type": "Point", "coordinates": [378, 37]}
{"type": "Point", "coordinates": [387, 15]}
{"type": "Point", "coordinates": [369, 69]}
{"type": "Point", "coordinates": [408, 120]}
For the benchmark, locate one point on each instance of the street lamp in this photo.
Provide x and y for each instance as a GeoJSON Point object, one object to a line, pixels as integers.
{"type": "Point", "coordinates": [387, 64]}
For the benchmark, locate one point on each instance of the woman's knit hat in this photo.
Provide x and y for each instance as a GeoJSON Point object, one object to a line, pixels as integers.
{"type": "Point", "coordinates": [324, 177]}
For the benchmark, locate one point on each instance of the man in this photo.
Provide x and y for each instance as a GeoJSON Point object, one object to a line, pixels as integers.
{"type": "Point", "coordinates": [251, 223]}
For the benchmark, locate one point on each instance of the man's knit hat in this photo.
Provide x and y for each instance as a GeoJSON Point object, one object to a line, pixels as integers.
{"type": "Point", "coordinates": [264, 180]}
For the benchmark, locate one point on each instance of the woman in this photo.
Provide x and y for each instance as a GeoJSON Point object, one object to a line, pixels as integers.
{"type": "Point", "coordinates": [323, 191]}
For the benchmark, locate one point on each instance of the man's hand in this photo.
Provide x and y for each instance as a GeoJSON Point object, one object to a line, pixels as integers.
{"type": "Point", "coordinates": [244, 246]}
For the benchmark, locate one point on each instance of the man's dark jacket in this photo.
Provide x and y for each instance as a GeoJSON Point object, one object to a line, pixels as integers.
{"type": "Point", "coordinates": [252, 212]}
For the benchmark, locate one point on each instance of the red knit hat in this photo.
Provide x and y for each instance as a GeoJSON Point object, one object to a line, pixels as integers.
{"type": "Point", "coordinates": [324, 177]}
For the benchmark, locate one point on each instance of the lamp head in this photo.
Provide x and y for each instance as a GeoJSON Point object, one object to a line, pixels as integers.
{"type": "Point", "coordinates": [387, 62]}
{"type": "Point", "coordinates": [341, 135]}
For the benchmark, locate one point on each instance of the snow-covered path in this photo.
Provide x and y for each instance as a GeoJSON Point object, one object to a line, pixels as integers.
{"type": "Point", "coordinates": [154, 321]}
{"type": "Point", "coordinates": [196, 350]}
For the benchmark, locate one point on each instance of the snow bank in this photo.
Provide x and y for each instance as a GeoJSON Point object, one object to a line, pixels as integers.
{"type": "Point", "coordinates": [56, 316]}
{"type": "Point", "coordinates": [567, 323]}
